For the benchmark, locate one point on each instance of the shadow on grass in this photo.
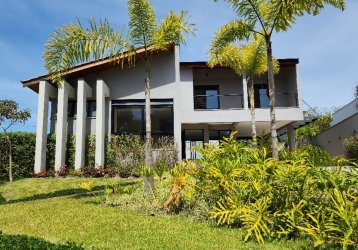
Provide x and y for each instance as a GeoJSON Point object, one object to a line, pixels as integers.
{"type": "Point", "coordinates": [26, 242]}
{"type": "Point", "coordinates": [58, 193]}
{"type": "Point", "coordinates": [79, 192]}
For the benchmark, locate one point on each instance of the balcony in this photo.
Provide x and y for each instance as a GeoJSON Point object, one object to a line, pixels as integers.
{"type": "Point", "coordinates": [236, 101]}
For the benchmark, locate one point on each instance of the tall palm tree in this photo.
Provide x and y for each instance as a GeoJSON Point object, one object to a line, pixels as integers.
{"type": "Point", "coordinates": [72, 44]}
{"type": "Point", "coordinates": [263, 17]}
{"type": "Point", "coordinates": [250, 59]}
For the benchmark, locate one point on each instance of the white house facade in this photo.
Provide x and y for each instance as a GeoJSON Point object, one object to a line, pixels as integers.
{"type": "Point", "coordinates": [190, 101]}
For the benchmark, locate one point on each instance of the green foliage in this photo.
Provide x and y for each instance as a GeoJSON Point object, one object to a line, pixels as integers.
{"type": "Point", "coordinates": [23, 154]}
{"type": "Point", "coordinates": [262, 18]}
{"type": "Point", "coordinates": [305, 133]}
{"type": "Point", "coordinates": [13, 242]}
{"type": "Point", "coordinates": [305, 193]}
{"type": "Point", "coordinates": [350, 146]}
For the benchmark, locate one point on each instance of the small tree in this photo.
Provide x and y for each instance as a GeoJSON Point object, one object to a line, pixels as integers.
{"type": "Point", "coordinates": [10, 115]}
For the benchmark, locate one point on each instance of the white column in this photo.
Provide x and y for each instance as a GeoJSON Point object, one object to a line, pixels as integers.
{"type": "Point", "coordinates": [61, 125]}
{"type": "Point", "coordinates": [176, 104]}
{"type": "Point", "coordinates": [83, 92]}
{"type": "Point", "coordinates": [291, 137]}
{"type": "Point", "coordinates": [46, 91]}
{"type": "Point", "coordinates": [244, 91]}
{"type": "Point", "coordinates": [102, 93]}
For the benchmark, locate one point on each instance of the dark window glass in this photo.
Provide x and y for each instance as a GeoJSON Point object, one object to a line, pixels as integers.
{"type": "Point", "coordinates": [206, 97]}
{"type": "Point", "coordinates": [129, 120]}
{"type": "Point", "coordinates": [72, 109]}
{"type": "Point", "coordinates": [261, 96]}
{"type": "Point", "coordinates": [91, 109]}
{"type": "Point", "coordinates": [129, 117]}
{"type": "Point", "coordinates": [224, 133]}
{"type": "Point", "coordinates": [162, 119]}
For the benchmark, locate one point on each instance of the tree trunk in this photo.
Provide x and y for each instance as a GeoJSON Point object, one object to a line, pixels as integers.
{"type": "Point", "coordinates": [250, 82]}
{"type": "Point", "coordinates": [148, 183]}
{"type": "Point", "coordinates": [10, 156]}
{"type": "Point", "coordinates": [271, 85]}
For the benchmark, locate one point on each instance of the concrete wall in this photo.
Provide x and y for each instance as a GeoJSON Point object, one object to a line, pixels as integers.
{"type": "Point", "coordinates": [345, 112]}
{"type": "Point", "coordinates": [331, 139]}
{"type": "Point", "coordinates": [343, 125]}
{"type": "Point", "coordinates": [286, 86]}
{"type": "Point", "coordinates": [229, 83]}
{"type": "Point", "coordinates": [128, 83]}
{"type": "Point", "coordinates": [285, 81]}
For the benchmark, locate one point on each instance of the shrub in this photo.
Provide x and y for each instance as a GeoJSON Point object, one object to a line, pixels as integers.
{"type": "Point", "coordinates": [246, 188]}
{"type": "Point", "coordinates": [23, 154]}
{"type": "Point", "coordinates": [350, 146]}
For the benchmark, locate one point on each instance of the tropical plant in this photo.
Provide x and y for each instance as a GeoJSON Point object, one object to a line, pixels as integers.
{"type": "Point", "coordinates": [250, 59]}
{"type": "Point", "coordinates": [73, 44]}
{"type": "Point", "coordinates": [263, 17]}
{"type": "Point", "coordinates": [10, 115]}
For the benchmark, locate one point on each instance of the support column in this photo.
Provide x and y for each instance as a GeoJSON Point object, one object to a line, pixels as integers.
{"type": "Point", "coordinates": [176, 104]}
{"type": "Point", "coordinates": [206, 133]}
{"type": "Point", "coordinates": [46, 91]}
{"type": "Point", "coordinates": [83, 92]}
{"type": "Point", "coordinates": [64, 93]}
{"type": "Point", "coordinates": [102, 93]}
{"type": "Point", "coordinates": [244, 91]}
{"type": "Point", "coordinates": [291, 137]}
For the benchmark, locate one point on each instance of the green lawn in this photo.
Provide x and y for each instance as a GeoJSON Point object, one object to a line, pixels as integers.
{"type": "Point", "coordinates": [76, 218]}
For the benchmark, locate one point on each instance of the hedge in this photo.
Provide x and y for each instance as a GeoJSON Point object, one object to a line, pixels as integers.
{"type": "Point", "coordinates": [122, 151]}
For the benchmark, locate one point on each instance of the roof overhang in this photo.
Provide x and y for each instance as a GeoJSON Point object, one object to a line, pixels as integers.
{"type": "Point", "coordinates": [91, 67]}
{"type": "Point", "coordinates": [204, 64]}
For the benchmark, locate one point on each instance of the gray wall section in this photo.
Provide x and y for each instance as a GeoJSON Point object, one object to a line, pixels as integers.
{"type": "Point", "coordinates": [331, 139]}
{"type": "Point", "coordinates": [229, 83]}
{"type": "Point", "coordinates": [128, 83]}
{"type": "Point", "coordinates": [285, 84]}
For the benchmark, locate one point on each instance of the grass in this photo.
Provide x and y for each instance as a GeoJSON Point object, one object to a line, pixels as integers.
{"type": "Point", "coordinates": [76, 218]}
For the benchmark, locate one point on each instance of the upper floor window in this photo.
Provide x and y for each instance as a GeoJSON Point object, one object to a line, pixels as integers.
{"type": "Point", "coordinates": [206, 97]}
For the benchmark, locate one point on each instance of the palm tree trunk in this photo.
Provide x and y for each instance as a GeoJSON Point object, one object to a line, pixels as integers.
{"type": "Point", "coordinates": [148, 183]}
{"type": "Point", "coordinates": [271, 85]}
{"type": "Point", "coordinates": [250, 82]}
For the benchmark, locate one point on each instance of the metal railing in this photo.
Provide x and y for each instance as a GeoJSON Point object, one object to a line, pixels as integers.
{"type": "Point", "coordinates": [236, 101]}
{"type": "Point", "coordinates": [229, 101]}
{"type": "Point", "coordinates": [282, 100]}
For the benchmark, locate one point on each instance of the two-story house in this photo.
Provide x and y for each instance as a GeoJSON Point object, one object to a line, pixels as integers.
{"type": "Point", "coordinates": [190, 101]}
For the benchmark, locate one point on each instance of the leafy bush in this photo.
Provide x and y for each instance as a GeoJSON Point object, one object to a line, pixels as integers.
{"type": "Point", "coordinates": [23, 154]}
{"type": "Point", "coordinates": [350, 145]}
{"type": "Point", "coordinates": [246, 188]}
{"type": "Point", "coordinates": [123, 155]}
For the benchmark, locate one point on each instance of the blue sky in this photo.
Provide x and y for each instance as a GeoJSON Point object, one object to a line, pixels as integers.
{"type": "Point", "coordinates": [326, 45]}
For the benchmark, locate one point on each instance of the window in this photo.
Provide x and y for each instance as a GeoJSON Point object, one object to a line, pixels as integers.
{"type": "Point", "coordinates": [72, 109]}
{"type": "Point", "coordinates": [261, 96]}
{"type": "Point", "coordinates": [91, 108]}
{"type": "Point", "coordinates": [206, 97]}
{"type": "Point", "coordinates": [128, 120]}
{"type": "Point", "coordinates": [129, 117]}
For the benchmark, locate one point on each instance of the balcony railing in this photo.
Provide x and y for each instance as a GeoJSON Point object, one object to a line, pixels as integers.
{"type": "Point", "coordinates": [282, 100]}
{"type": "Point", "coordinates": [229, 101]}
{"type": "Point", "coordinates": [236, 101]}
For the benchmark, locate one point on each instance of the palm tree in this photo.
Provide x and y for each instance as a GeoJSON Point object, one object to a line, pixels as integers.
{"type": "Point", "coordinates": [250, 59]}
{"type": "Point", "coordinates": [263, 17]}
{"type": "Point", "coordinates": [72, 44]}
